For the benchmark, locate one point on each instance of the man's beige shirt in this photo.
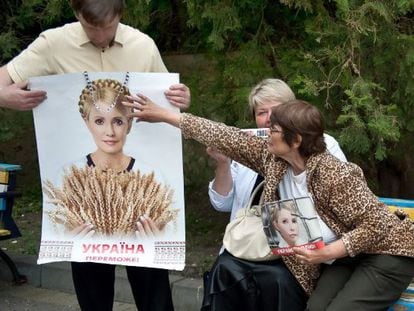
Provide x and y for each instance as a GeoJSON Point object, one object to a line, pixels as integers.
{"type": "Point", "coordinates": [67, 49]}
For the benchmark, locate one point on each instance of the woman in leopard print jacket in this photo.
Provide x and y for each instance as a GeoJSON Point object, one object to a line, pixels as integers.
{"type": "Point", "coordinates": [368, 260]}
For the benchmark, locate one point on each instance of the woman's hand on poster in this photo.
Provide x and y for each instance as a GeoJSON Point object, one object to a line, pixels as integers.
{"type": "Point", "coordinates": [310, 257]}
{"type": "Point", "coordinates": [83, 231]}
{"type": "Point", "coordinates": [316, 256]}
{"type": "Point", "coordinates": [146, 110]}
{"type": "Point", "coordinates": [146, 228]}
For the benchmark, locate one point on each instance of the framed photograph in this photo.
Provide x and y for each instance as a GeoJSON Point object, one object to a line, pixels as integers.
{"type": "Point", "coordinates": [289, 223]}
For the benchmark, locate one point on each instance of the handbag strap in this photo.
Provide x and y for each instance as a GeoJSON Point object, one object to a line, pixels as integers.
{"type": "Point", "coordinates": [254, 193]}
{"type": "Point", "coordinates": [258, 180]}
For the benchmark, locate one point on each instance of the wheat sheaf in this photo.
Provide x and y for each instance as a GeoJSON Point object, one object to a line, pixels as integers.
{"type": "Point", "coordinates": [111, 201]}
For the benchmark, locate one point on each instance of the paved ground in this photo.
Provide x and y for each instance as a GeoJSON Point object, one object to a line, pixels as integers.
{"type": "Point", "coordinates": [50, 288]}
{"type": "Point", "coordinates": [28, 298]}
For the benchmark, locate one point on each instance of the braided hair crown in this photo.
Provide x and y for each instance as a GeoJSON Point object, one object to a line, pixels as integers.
{"type": "Point", "coordinates": [104, 91]}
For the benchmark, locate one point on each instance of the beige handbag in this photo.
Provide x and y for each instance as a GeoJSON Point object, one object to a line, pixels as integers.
{"type": "Point", "coordinates": [244, 236]}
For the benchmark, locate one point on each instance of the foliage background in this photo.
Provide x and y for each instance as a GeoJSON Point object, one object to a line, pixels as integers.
{"type": "Point", "coordinates": [354, 59]}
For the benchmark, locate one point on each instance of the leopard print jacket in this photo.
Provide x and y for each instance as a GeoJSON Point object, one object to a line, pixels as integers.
{"type": "Point", "coordinates": [341, 195]}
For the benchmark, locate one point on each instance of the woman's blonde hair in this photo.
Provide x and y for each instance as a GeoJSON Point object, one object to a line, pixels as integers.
{"type": "Point", "coordinates": [104, 92]}
{"type": "Point", "coordinates": [269, 90]}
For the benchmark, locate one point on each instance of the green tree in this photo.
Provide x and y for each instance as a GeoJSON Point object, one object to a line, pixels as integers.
{"type": "Point", "coordinates": [353, 59]}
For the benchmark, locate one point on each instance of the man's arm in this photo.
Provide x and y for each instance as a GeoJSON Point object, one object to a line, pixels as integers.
{"type": "Point", "coordinates": [16, 95]}
{"type": "Point", "coordinates": [5, 79]}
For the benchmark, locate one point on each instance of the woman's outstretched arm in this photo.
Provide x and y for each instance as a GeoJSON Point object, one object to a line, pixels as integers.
{"type": "Point", "coordinates": [247, 150]}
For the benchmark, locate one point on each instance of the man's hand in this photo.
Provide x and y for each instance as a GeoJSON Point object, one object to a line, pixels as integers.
{"type": "Point", "coordinates": [15, 96]}
{"type": "Point", "coordinates": [179, 96]}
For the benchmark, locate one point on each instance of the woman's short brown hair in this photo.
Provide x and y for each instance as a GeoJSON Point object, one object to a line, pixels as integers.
{"type": "Point", "coordinates": [98, 12]}
{"type": "Point", "coordinates": [298, 117]}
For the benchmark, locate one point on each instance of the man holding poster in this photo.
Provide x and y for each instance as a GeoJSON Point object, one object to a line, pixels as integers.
{"type": "Point", "coordinates": [97, 42]}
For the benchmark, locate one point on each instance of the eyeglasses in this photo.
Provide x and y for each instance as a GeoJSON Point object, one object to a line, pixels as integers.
{"type": "Point", "coordinates": [274, 130]}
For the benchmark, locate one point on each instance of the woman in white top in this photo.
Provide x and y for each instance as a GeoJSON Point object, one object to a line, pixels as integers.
{"type": "Point", "coordinates": [230, 190]}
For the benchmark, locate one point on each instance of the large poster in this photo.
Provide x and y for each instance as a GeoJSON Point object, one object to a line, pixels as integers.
{"type": "Point", "coordinates": [92, 214]}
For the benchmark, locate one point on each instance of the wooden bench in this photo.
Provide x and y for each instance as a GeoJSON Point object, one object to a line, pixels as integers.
{"type": "Point", "coordinates": [406, 301]}
{"type": "Point", "coordinates": [8, 228]}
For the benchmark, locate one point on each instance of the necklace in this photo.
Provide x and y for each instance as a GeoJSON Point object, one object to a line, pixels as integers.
{"type": "Point", "coordinates": [123, 165]}
{"type": "Point", "coordinates": [92, 95]}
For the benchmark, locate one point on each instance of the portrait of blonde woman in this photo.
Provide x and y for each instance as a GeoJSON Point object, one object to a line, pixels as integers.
{"type": "Point", "coordinates": [294, 223]}
{"type": "Point", "coordinates": [102, 176]}
{"type": "Point", "coordinates": [286, 224]}
{"type": "Point", "coordinates": [107, 194]}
